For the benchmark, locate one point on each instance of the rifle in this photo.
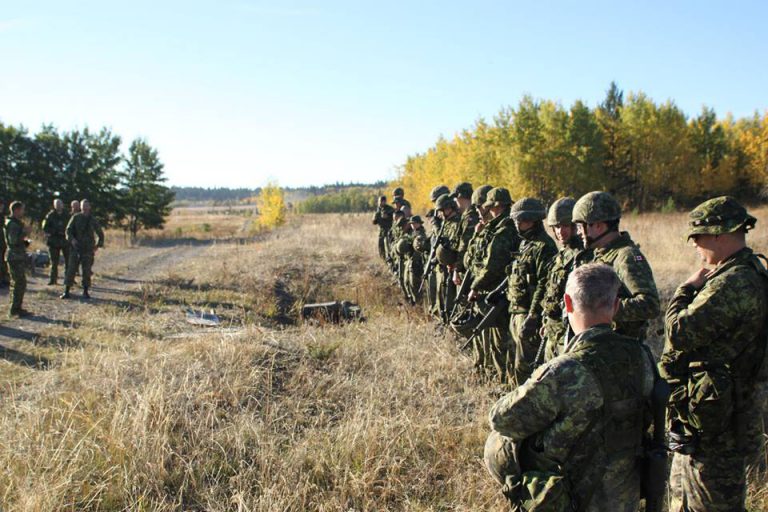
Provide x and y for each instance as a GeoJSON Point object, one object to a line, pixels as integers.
{"type": "Point", "coordinates": [655, 467]}
{"type": "Point", "coordinates": [497, 300]}
{"type": "Point", "coordinates": [462, 292]}
{"type": "Point", "coordinates": [432, 260]}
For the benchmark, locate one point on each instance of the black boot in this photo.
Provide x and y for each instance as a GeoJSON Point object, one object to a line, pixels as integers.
{"type": "Point", "coordinates": [86, 295]}
{"type": "Point", "coordinates": [66, 294]}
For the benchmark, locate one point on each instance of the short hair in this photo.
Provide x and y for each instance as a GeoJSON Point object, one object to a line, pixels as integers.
{"type": "Point", "coordinates": [593, 287]}
{"type": "Point", "coordinates": [382, 198]}
{"type": "Point", "coordinates": [16, 205]}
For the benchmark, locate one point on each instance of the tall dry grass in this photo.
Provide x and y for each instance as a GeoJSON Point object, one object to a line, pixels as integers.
{"type": "Point", "coordinates": [137, 410]}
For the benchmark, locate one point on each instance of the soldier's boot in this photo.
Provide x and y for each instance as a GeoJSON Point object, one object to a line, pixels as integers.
{"type": "Point", "coordinates": [86, 295]}
{"type": "Point", "coordinates": [66, 294]}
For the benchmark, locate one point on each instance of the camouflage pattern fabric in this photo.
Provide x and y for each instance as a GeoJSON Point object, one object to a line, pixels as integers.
{"type": "Point", "coordinates": [84, 235]}
{"type": "Point", "coordinates": [469, 219]}
{"type": "Point", "coordinates": [16, 258]}
{"type": "Point", "coordinates": [4, 276]}
{"type": "Point", "coordinates": [558, 419]}
{"type": "Point", "coordinates": [714, 338]}
{"type": "Point", "coordinates": [414, 265]}
{"type": "Point", "coordinates": [55, 229]}
{"type": "Point", "coordinates": [446, 289]}
{"type": "Point", "coordinates": [383, 218]}
{"type": "Point", "coordinates": [639, 299]}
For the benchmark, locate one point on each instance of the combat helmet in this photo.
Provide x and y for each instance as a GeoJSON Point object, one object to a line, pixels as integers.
{"type": "Point", "coordinates": [416, 219]}
{"type": "Point", "coordinates": [398, 192]}
{"type": "Point", "coordinates": [528, 208]}
{"type": "Point", "coordinates": [404, 247]}
{"type": "Point", "coordinates": [464, 322]}
{"type": "Point", "coordinates": [444, 201]}
{"type": "Point", "coordinates": [463, 190]}
{"type": "Point", "coordinates": [498, 196]}
{"type": "Point", "coordinates": [596, 206]}
{"type": "Point", "coordinates": [438, 191]}
{"type": "Point", "coordinates": [561, 212]}
{"type": "Point", "coordinates": [480, 195]}
{"type": "Point", "coordinates": [718, 216]}
{"type": "Point", "coordinates": [446, 255]}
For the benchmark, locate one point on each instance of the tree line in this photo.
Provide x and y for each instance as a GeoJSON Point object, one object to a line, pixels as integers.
{"type": "Point", "coordinates": [648, 154]}
{"type": "Point", "coordinates": [127, 190]}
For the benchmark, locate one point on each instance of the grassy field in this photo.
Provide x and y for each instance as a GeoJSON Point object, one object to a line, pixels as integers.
{"type": "Point", "coordinates": [122, 405]}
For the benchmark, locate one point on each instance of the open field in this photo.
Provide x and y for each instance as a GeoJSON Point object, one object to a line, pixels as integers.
{"type": "Point", "coordinates": [119, 404]}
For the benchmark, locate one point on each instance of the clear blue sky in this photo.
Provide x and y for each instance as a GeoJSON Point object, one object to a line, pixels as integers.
{"type": "Point", "coordinates": [236, 92]}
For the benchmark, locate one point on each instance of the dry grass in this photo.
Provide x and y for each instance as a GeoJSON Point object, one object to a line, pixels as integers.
{"type": "Point", "coordinates": [138, 411]}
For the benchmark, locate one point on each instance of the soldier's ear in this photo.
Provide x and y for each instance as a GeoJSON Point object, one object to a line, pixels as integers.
{"type": "Point", "coordinates": [568, 303]}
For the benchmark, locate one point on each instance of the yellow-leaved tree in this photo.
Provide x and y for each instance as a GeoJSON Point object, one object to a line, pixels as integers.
{"type": "Point", "coordinates": [271, 204]}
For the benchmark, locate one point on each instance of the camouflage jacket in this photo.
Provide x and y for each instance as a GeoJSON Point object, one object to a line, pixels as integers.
{"type": "Point", "coordinates": [528, 272]}
{"type": "Point", "coordinates": [3, 245]}
{"type": "Point", "coordinates": [639, 299]}
{"type": "Point", "coordinates": [451, 234]}
{"type": "Point", "coordinates": [494, 253]}
{"type": "Point", "coordinates": [14, 239]}
{"type": "Point", "coordinates": [725, 320]}
{"type": "Point", "coordinates": [383, 218]}
{"type": "Point", "coordinates": [560, 414]}
{"type": "Point", "coordinates": [552, 301]}
{"type": "Point", "coordinates": [55, 228]}
{"type": "Point", "coordinates": [469, 219]}
{"type": "Point", "coordinates": [415, 261]}
{"type": "Point", "coordinates": [85, 229]}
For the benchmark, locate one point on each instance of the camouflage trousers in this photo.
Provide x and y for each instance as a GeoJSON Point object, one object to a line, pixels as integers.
{"type": "Point", "coordinates": [3, 266]}
{"type": "Point", "coordinates": [526, 348]}
{"type": "Point", "coordinates": [55, 254]}
{"type": "Point", "coordinates": [711, 480]}
{"type": "Point", "coordinates": [499, 349]}
{"type": "Point", "coordinates": [446, 293]}
{"type": "Point", "coordinates": [383, 245]}
{"type": "Point", "coordinates": [76, 261]}
{"type": "Point", "coordinates": [18, 273]}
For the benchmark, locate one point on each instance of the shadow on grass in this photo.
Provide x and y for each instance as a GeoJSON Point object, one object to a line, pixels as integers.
{"type": "Point", "coordinates": [23, 359]}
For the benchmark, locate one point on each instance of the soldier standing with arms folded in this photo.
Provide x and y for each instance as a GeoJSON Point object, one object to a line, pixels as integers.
{"type": "Point", "coordinates": [597, 216]}
{"type": "Point", "coordinates": [15, 235]}
{"type": "Point", "coordinates": [85, 237]}
{"type": "Point", "coordinates": [527, 276]}
{"type": "Point", "coordinates": [55, 229]}
{"type": "Point", "coordinates": [716, 333]}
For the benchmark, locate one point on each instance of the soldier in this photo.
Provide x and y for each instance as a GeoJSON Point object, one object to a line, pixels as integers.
{"type": "Point", "coordinates": [527, 280]}
{"type": "Point", "coordinates": [3, 267]}
{"type": "Point", "coordinates": [16, 257]}
{"type": "Point", "coordinates": [403, 204]}
{"type": "Point", "coordinates": [494, 252]}
{"type": "Point", "coordinates": [597, 217]}
{"type": "Point", "coordinates": [569, 436]}
{"type": "Point", "coordinates": [462, 194]}
{"type": "Point", "coordinates": [716, 329]}
{"type": "Point", "coordinates": [447, 252]}
{"type": "Point", "coordinates": [398, 192]}
{"type": "Point", "coordinates": [554, 322]}
{"type": "Point", "coordinates": [55, 229]}
{"type": "Point", "coordinates": [383, 219]}
{"type": "Point", "coordinates": [82, 233]}
{"type": "Point", "coordinates": [431, 278]}
{"type": "Point", "coordinates": [414, 265]}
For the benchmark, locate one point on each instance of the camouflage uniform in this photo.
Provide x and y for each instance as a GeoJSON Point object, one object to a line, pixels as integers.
{"type": "Point", "coordinates": [16, 257]}
{"type": "Point", "coordinates": [558, 424]}
{"type": "Point", "coordinates": [554, 321]}
{"type": "Point", "coordinates": [715, 344]}
{"type": "Point", "coordinates": [447, 254]}
{"type": "Point", "coordinates": [402, 245]}
{"type": "Point", "coordinates": [494, 253]}
{"type": "Point", "coordinates": [55, 229]}
{"type": "Point", "coordinates": [430, 284]}
{"type": "Point", "coordinates": [82, 233]}
{"type": "Point", "coordinates": [639, 298]}
{"type": "Point", "coordinates": [527, 281]}
{"type": "Point", "coordinates": [3, 247]}
{"type": "Point", "coordinates": [469, 219]}
{"type": "Point", "coordinates": [383, 219]}
{"type": "Point", "coordinates": [414, 264]}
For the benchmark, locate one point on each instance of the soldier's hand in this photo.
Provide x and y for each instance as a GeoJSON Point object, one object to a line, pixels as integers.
{"type": "Point", "coordinates": [697, 279]}
{"type": "Point", "coordinates": [472, 295]}
{"type": "Point", "coordinates": [456, 278]}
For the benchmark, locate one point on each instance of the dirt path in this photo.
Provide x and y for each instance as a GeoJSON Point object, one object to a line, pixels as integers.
{"type": "Point", "coordinates": [117, 272]}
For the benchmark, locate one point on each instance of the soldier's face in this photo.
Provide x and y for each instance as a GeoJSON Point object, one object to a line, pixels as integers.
{"type": "Point", "coordinates": [589, 232]}
{"type": "Point", "coordinates": [524, 225]}
{"type": "Point", "coordinates": [708, 248]}
{"type": "Point", "coordinates": [563, 232]}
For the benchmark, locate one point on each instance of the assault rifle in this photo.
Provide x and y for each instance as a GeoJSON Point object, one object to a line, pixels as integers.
{"type": "Point", "coordinates": [654, 470]}
{"type": "Point", "coordinates": [432, 260]}
{"type": "Point", "coordinates": [462, 292]}
{"type": "Point", "coordinates": [497, 299]}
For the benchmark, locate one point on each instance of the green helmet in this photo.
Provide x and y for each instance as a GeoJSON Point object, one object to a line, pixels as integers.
{"type": "Point", "coordinates": [480, 195]}
{"type": "Point", "coordinates": [444, 201]}
{"type": "Point", "coordinates": [596, 207]}
{"type": "Point", "coordinates": [528, 208]}
{"type": "Point", "coordinates": [464, 322]}
{"type": "Point", "coordinates": [404, 247]}
{"type": "Point", "coordinates": [421, 244]}
{"type": "Point", "coordinates": [561, 212]}
{"type": "Point", "coordinates": [463, 189]}
{"type": "Point", "coordinates": [498, 196]}
{"type": "Point", "coordinates": [719, 216]}
{"type": "Point", "coordinates": [501, 458]}
{"type": "Point", "coordinates": [446, 255]}
{"type": "Point", "coordinates": [416, 219]}
{"type": "Point", "coordinates": [398, 192]}
{"type": "Point", "coordinates": [438, 191]}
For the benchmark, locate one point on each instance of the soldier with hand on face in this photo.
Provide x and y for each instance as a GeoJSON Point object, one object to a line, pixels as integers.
{"type": "Point", "coordinates": [15, 236]}
{"type": "Point", "coordinates": [716, 333]}
{"type": "Point", "coordinates": [55, 229]}
{"type": "Point", "coordinates": [85, 237]}
{"type": "Point", "coordinates": [569, 437]}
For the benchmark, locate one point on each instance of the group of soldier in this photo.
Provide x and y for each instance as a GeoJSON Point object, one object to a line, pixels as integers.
{"type": "Point", "coordinates": [590, 416]}
{"type": "Point", "coordinates": [75, 235]}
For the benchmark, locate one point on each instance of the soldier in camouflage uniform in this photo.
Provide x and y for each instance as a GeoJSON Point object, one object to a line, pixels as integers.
{"type": "Point", "coordinates": [383, 219]}
{"type": "Point", "coordinates": [462, 194]}
{"type": "Point", "coordinates": [554, 322]}
{"type": "Point", "coordinates": [435, 222]}
{"type": "Point", "coordinates": [716, 332]}
{"type": "Point", "coordinates": [15, 234]}
{"type": "Point", "coordinates": [3, 267]}
{"type": "Point", "coordinates": [85, 237]}
{"type": "Point", "coordinates": [397, 192]}
{"type": "Point", "coordinates": [569, 436]}
{"type": "Point", "coordinates": [497, 243]}
{"type": "Point", "coordinates": [527, 280]}
{"type": "Point", "coordinates": [447, 252]}
{"type": "Point", "coordinates": [55, 229]}
{"type": "Point", "coordinates": [401, 245]}
{"type": "Point", "coordinates": [414, 266]}
{"type": "Point", "coordinates": [597, 216]}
